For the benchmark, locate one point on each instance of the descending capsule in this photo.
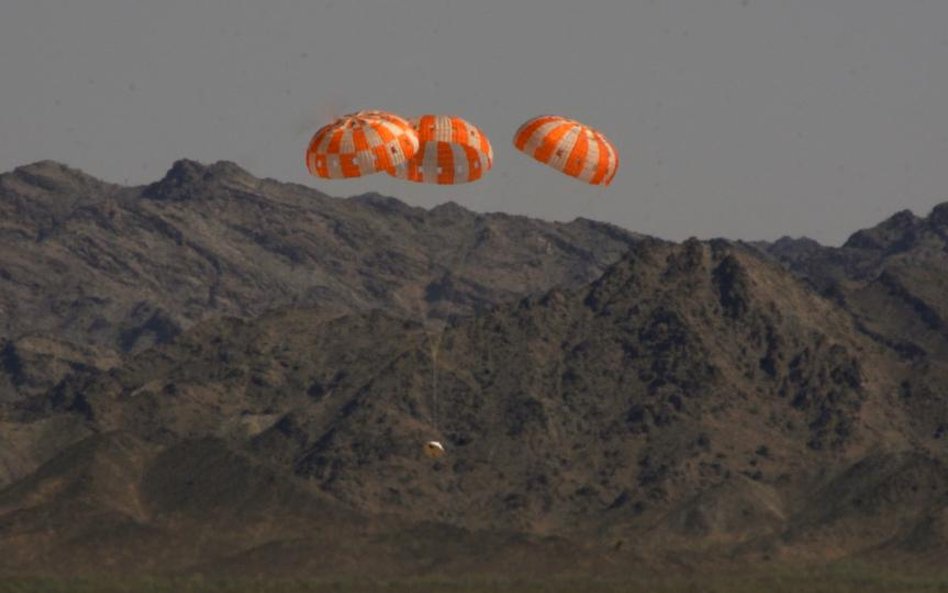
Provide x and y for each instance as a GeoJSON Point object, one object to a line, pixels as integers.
{"type": "Point", "coordinates": [451, 150]}
{"type": "Point", "coordinates": [360, 144]}
{"type": "Point", "coordinates": [570, 147]}
{"type": "Point", "coordinates": [433, 449]}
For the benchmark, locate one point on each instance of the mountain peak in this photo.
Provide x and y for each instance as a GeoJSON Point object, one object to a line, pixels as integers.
{"type": "Point", "coordinates": [54, 177]}
{"type": "Point", "coordinates": [939, 215]}
{"type": "Point", "coordinates": [45, 165]}
{"type": "Point", "coordinates": [788, 241]}
{"type": "Point", "coordinates": [450, 209]}
{"type": "Point", "coordinates": [186, 169]}
{"type": "Point", "coordinates": [892, 233]}
{"type": "Point", "coordinates": [185, 175]}
{"type": "Point", "coordinates": [382, 203]}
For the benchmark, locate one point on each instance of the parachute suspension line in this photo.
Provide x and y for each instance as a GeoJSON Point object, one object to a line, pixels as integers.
{"type": "Point", "coordinates": [435, 346]}
{"type": "Point", "coordinates": [434, 386]}
{"type": "Point", "coordinates": [589, 206]}
{"type": "Point", "coordinates": [600, 191]}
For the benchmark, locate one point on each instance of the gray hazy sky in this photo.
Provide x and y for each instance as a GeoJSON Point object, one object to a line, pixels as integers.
{"type": "Point", "coordinates": [737, 118]}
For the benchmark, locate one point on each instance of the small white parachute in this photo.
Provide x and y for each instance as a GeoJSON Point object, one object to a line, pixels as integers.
{"type": "Point", "coordinates": [433, 449]}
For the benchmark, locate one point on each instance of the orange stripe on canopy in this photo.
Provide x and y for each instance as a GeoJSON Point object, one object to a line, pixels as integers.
{"type": "Point", "coordinates": [554, 140]}
{"type": "Point", "coordinates": [452, 150]}
{"type": "Point", "coordinates": [379, 141]}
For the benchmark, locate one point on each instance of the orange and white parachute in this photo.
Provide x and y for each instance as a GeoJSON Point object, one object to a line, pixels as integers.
{"type": "Point", "coordinates": [360, 144]}
{"type": "Point", "coordinates": [569, 146]}
{"type": "Point", "coordinates": [452, 150]}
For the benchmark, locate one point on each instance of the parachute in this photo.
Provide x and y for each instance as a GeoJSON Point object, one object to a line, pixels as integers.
{"type": "Point", "coordinates": [570, 147]}
{"type": "Point", "coordinates": [360, 144]}
{"type": "Point", "coordinates": [452, 150]}
{"type": "Point", "coordinates": [433, 449]}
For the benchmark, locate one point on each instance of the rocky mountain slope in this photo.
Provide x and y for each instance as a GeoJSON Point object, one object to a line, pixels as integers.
{"type": "Point", "coordinates": [91, 271]}
{"type": "Point", "coordinates": [697, 404]}
{"type": "Point", "coordinates": [694, 397]}
{"type": "Point", "coordinates": [892, 277]}
{"type": "Point", "coordinates": [893, 280]}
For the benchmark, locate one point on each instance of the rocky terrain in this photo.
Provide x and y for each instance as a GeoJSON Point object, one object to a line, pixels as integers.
{"type": "Point", "coordinates": [227, 375]}
{"type": "Point", "coordinates": [91, 271]}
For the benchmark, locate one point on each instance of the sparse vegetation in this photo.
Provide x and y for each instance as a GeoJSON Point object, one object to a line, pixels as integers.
{"type": "Point", "coordinates": [694, 401]}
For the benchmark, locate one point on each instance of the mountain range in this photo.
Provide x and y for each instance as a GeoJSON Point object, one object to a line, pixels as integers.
{"type": "Point", "coordinates": [222, 374]}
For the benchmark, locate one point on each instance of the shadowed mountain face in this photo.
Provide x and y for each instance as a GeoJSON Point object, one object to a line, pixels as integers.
{"type": "Point", "coordinates": [893, 280]}
{"type": "Point", "coordinates": [892, 277]}
{"type": "Point", "coordinates": [90, 271]}
{"type": "Point", "coordinates": [692, 404]}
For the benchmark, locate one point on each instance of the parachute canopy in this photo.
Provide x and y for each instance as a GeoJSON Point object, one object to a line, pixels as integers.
{"type": "Point", "coordinates": [452, 150]}
{"type": "Point", "coordinates": [360, 144]}
{"type": "Point", "coordinates": [570, 147]}
{"type": "Point", "coordinates": [433, 449]}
